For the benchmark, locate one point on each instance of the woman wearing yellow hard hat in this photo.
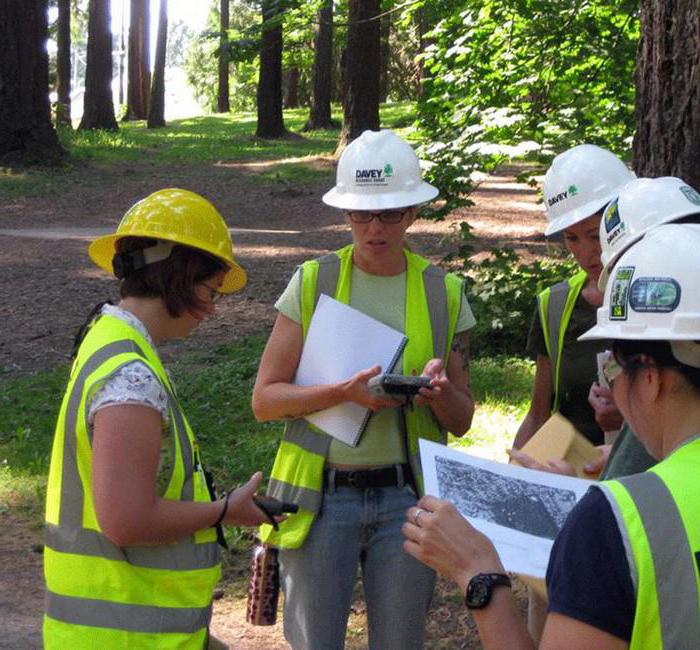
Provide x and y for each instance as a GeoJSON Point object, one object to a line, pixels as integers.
{"type": "Point", "coordinates": [351, 499]}
{"type": "Point", "coordinates": [131, 557]}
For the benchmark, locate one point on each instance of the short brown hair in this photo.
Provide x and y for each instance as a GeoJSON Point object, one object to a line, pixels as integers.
{"type": "Point", "coordinates": [173, 279]}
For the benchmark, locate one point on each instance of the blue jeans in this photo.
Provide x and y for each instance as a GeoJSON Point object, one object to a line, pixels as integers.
{"type": "Point", "coordinates": [356, 526]}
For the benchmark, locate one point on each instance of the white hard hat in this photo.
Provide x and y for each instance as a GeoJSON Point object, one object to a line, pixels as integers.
{"type": "Point", "coordinates": [378, 171]}
{"type": "Point", "coordinates": [580, 182]}
{"type": "Point", "coordinates": [642, 204]}
{"type": "Point", "coordinates": [653, 292]}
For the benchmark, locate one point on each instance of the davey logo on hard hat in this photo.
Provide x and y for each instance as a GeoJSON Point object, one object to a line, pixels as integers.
{"type": "Point", "coordinates": [655, 295]}
{"type": "Point", "coordinates": [374, 176]}
{"type": "Point", "coordinates": [614, 226]}
{"type": "Point", "coordinates": [690, 194]}
{"type": "Point", "coordinates": [619, 292]}
{"type": "Point", "coordinates": [573, 190]}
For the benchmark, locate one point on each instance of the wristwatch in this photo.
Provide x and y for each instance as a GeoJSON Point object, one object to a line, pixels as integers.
{"type": "Point", "coordinates": [480, 589]}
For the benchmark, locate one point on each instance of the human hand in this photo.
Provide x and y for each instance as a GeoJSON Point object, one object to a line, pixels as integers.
{"type": "Point", "coordinates": [553, 465]}
{"type": "Point", "coordinates": [356, 390]}
{"type": "Point", "coordinates": [606, 412]}
{"type": "Point", "coordinates": [440, 385]}
{"type": "Point", "coordinates": [437, 535]}
{"type": "Point", "coordinates": [596, 467]}
{"type": "Point", "coordinates": [242, 511]}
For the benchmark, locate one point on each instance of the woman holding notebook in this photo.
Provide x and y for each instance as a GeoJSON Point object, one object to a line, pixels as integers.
{"type": "Point", "coordinates": [352, 499]}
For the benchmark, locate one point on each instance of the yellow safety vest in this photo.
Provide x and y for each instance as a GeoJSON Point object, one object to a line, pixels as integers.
{"type": "Point", "coordinates": [658, 513]}
{"type": "Point", "coordinates": [433, 302]}
{"type": "Point", "coordinates": [99, 595]}
{"type": "Point", "coordinates": [555, 307]}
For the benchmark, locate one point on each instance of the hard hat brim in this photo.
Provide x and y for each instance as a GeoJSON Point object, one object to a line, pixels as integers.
{"type": "Point", "coordinates": [370, 200]}
{"type": "Point", "coordinates": [103, 249]}
{"type": "Point", "coordinates": [579, 214]}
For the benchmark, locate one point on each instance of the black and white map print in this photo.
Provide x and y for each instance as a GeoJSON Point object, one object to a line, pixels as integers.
{"type": "Point", "coordinates": [527, 507]}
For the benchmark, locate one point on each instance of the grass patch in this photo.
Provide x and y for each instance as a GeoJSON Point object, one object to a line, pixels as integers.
{"type": "Point", "coordinates": [215, 386]}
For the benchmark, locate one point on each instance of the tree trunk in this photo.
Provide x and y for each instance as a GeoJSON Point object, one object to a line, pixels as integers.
{"type": "Point", "coordinates": [63, 70]}
{"type": "Point", "coordinates": [269, 96]}
{"type": "Point", "coordinates": [667, 139]}
{"type": "Point", "coordinates": [361, 105]}
{"type": "Point", "coordinates": [384, 53]}
{"type": "Point", "coordinates": [26, 132]}
{"type": "Point", "coordinates": [322, 75]}
{"type": "Point", "coordinates": [156, 104]}
{"type": "Point", "coordinates": [139, 61]}
{"type": "Point", "coordinates": [98, 112]}
{"type": "Point", "coordinates": [222, 102]}
{"type": "Point", "coordinates": [291, 88]}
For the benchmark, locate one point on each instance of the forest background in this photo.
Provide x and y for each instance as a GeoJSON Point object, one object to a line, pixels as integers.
{"type": "Point", "coordinates": [487, 90]}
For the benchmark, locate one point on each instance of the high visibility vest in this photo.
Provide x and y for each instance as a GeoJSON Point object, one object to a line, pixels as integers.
{"type": "Point", "coordinates": [99, 595]}
{"type": "Point", "coordinates": [555, 306]}
{"type": "Point", "coordinates": [658, 513]}
{"type": "Point", "coordinates": [433, 302]}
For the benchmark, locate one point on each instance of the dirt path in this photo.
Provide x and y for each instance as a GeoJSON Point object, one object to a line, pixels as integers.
{"type": "Point", "coordinates": [48, 285]}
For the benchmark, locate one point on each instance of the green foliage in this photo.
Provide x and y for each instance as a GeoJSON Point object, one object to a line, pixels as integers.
{"type": "Point", "coordinates": [512, 77]}
{"type": "Point", "coordinates": [502, 292]}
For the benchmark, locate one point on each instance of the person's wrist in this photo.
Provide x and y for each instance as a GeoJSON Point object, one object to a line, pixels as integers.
{"type": "Point", "coordinates": [224, 510]}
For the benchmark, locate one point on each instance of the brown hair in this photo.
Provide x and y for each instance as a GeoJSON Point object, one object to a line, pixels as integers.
{"type": "Point", "coordinates": [173, 279]}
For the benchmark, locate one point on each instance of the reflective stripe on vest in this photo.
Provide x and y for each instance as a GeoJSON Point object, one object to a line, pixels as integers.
{"type": "Point", "coordinates": [120, 593]}
{"type": "Point", "coordinates": [555, 307]}
{"type": "Point", "coordinates": [433, 303]}
{"type": "Point", "coordinates": [657, 513]}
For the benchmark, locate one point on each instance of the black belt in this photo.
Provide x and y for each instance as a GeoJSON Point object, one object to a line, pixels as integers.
{"type": "Point", "coordinates": [368, 478]}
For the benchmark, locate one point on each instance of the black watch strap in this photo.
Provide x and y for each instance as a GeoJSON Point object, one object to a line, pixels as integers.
{"type": "Point", "coordinates": [480, 589]}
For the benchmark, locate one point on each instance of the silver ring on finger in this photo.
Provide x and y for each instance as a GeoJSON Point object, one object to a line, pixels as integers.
{"type": "Point", "coordinates": [417, 514]}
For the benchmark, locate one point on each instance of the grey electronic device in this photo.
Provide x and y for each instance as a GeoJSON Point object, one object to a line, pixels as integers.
{"type": "Point", "coordinates": [399, 387]}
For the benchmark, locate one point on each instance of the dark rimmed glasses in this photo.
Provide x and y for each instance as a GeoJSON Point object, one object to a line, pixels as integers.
{"type": "Point", "coordinates": [385, 216]}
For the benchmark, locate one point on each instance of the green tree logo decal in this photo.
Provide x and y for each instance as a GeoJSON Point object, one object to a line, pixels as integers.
{"type": "Point", "coordinates": [388, 170]}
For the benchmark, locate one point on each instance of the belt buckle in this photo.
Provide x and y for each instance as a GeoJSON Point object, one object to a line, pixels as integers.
{"type": "Point", "coordinates": [355, 479]}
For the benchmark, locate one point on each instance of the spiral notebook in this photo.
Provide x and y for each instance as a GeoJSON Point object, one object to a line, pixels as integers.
{"type": "Point", "coordinates": [340, 342]}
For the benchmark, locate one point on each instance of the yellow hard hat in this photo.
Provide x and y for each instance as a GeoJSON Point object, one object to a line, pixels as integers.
{"type": "Point", "coordinates": [178, 216]}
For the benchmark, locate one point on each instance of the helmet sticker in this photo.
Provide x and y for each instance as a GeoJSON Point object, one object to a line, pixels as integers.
{"type": "Point", "coordinates": [655, 295]}
{"type": "Point", "coordinates": [374, 176]}
{"type": "Point", "coordinates": [619, 292]}
{"type": "Point", "coordinates": [614, 226]}
{"type": "Point", "coordinates": [573, 190]}
{"type": "Point", "coordinates": [690, 194]}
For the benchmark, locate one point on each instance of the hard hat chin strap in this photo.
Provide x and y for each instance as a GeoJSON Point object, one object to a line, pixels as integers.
{"type": "Point", "coordinates": [125, 264]}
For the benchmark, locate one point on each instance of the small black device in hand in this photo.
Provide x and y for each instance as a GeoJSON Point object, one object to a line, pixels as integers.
{"type": "Point", "coordinates": [271, 507]}
{"type": "Point", "coordinates": [397, 386]}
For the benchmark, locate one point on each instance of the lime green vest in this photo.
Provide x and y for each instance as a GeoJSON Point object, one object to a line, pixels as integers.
{"type": "Point", "coordinates": [555, 306]}
{"type": "Point", "coordinates": [433, 302]}
{"type": "Point", "coordinates": [99, 595]}
{"type": "Point", "coordinates": [658, 513]}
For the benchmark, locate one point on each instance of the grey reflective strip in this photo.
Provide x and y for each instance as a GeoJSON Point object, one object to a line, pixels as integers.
{"type": "Point", "coordinates": [131, 618]}
{"type": "Point", "coordinates": [555, 310]}
{"type": "Point", "coordinates": [674, 562]}
{"type": "Point", "coordinates": [71, 512]}
{"type": "Point", "coordinates": [299, 432]}
{"type": "Point", "coordinates": [436, 294]}
{"type": "Point", "coordinates": [187, 492]}
{"type": "Point", "coordinates": [327, 279]}
{"type": "Point", "coordinates": [620, 519]}
{"type": "Point", "coordinates": [180, 556]}
{"type": "Point", "coordinates": [305, 498]}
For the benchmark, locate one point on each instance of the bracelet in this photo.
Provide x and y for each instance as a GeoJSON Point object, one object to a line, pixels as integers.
{"type": "Point", "coordinates": [224, 511]}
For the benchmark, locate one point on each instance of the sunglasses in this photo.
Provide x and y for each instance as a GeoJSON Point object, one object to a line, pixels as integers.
{"type": "Point", "coordinates": [385, 216]}
{"type": "Point", "coordinates": [214, 294]}
{"type": "Point", "coordinates": [610, 369]}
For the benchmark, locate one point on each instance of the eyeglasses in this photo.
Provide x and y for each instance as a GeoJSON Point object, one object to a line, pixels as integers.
{"type": "Point", "coordinates": [385, 216]}
{"type": "Point", "coordinates": [610, 369]}
{"type": "Point", "coordinates": [214, 294]}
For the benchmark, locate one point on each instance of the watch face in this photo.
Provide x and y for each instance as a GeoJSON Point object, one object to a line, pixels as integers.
{"type": "Point", "coordinates": [479, 592]}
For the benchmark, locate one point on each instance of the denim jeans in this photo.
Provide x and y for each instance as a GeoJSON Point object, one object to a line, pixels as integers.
{"type": "Point", "coordinates": [356, 526]}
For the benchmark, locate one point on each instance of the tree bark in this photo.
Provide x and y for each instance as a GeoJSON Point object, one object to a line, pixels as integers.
{"type": "Point", "coordinates": [667, 138]}
{"type": "Point", "coordinates": [291, 88]}
{"type": "Point", "coordinates": [322, 75]}
{"type": "Point", "coordinates": [156, 104]}
{"type": "Point", "coordinates": [361, 104]}
{"type": "Point", "coordinates": [139, 61]}
{"type": "Point", "coordinates": [26, 132]}
{"type": "Point", "coordinates": [98, 112]}
{"type": "Point", "coordinates": [63, 67]}
{"type": "Point", "coordinates": [223, 104]}
{"type": "Point", "coordinates": [269, 95]}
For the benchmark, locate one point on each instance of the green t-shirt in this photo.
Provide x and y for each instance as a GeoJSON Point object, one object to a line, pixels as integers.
{"type": "Point", "coordinates": [627, 456]}
{"type": "Point", "coordinates": [578, 367]}
{"type": "Point", "coordinates": [384, 299]}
